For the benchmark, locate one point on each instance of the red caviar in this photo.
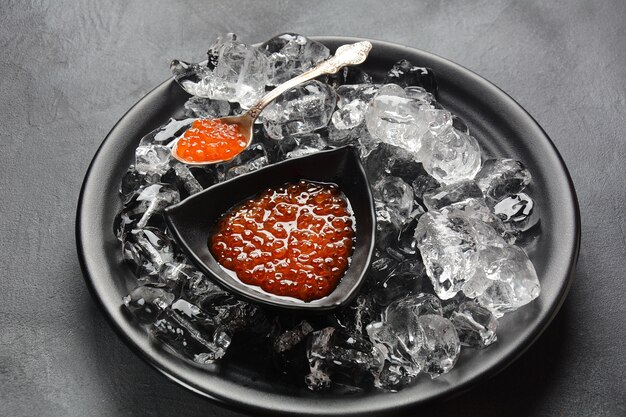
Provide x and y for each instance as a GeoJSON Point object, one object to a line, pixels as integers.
{"type": "Point", "coordinates": [209, 140]}
{"type": "Point", "coordinates": [295, 240]}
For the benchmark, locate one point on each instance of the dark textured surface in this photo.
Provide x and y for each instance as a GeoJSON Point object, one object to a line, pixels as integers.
{"type": "Point", "coordinates": [70, 71]}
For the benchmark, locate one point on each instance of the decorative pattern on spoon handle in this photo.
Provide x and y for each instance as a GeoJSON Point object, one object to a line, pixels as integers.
{"type": "Point", "coordinates": [352, 54]}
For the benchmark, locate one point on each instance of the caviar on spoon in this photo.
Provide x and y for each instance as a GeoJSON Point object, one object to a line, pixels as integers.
{"type": "Point", "coordinates": [210, 141]}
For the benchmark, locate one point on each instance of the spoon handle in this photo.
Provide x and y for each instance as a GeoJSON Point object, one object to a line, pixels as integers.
{"type": "Point", "coordinates": [351, 54]}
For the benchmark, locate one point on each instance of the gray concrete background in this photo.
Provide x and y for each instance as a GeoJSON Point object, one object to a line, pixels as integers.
{"type": "Point", "coordinates": [69, 71]}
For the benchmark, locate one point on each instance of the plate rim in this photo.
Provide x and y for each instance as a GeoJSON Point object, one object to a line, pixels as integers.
{"type": "Point", "coordinates": [261, 402]}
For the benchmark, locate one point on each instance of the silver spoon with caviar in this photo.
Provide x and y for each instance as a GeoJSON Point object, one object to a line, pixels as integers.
{"type": "Point", "coordinates": [211, 141]}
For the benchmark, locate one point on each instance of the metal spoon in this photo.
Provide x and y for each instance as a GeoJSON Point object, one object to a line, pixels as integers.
{"type": "Point", "coordinates": [351, 54]}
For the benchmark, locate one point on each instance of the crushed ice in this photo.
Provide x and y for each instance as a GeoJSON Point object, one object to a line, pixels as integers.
{"type": "Point", "coordinates": [446, 265]}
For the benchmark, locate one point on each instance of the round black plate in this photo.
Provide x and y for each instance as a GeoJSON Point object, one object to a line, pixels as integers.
{"type": "Point", "coordinates": [501, 126]}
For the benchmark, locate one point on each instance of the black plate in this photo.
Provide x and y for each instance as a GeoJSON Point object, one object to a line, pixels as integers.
{"type": "Point", "coordinates": [501, 126]}
{"type": "Point", "coordinates": [191, 221]}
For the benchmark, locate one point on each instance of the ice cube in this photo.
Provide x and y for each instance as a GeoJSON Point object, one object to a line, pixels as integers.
{"type": "Point", "coordinates": [357, 315]}
{"type": "Point", "coordinates": [151, 200]}
{"type": "Point", "coordinates": [192, 332]}
{"type": "Point", "coordinates": [302, 109]}
{"type": "Point", "coordinates": [382, 265]}
{"type": "Point", "coordinates": [290, 54]}
{"type": "Point", "coordinates": [352, 105]}
{"type": "Point", "coordinates": [422, 184]}
{"type": "Point", "coordinates": [402, 117]}
{"type": "Point", "coordinates": [414, 266]}
{"type": "Point", "coordinates": [287, 340]}
{"type": "Point", "coordinates": [347, 76]}
{"type": "Point", "coordinates": [231, 315]}
{"type": "Point", "coordinates": [420, 94]}
{"type": "Point", "coordinates": [181, 177]}
{"type": "Point", "coordinates": [237, 73]}
{"type": "Point", "coordinates": [193, 78]}
{"type": "Point", "coordinates": [450, 156]}
{"type": "Point", "coordinates": [288, 336]}
{"type": "Point", "coordinates": [475, 325]}
{"type": "Point", "coordinates": [251, 159]}
{"type": "Point", "coordinates": [358, 92]}
{"type": "Point", "coordinates": [391, 89]}
{"type": "Point", "coordinates": [342, 137]}
{"type": "Point", "coordinates": [399, 334]}
{"type": "Point", "coordinates": [433, 120]}
{"type": "Point", "coordinates": [181, 276]}
{"type": "Point", "coordinates": [406, 242]}
{"type": "Point", "coordinates": [517, 212]}
{"type": "Point", "coordinates": [146, 302]}
{"type": "Point", "coordinates": [488, 228]}
{"type": "Point", "coordinates": [206, 108]}
{"type": "Point", "coordinates": [133, 181]}
{"type": "Point", "coordinates": [394, 194]}
{"type": "Point", "coordinates": [392, 117]}
{"type": "Point", "coordinates": [341, 358]}
{"type": "Point", "coordinates": [385, 159]}
{"type": "Point", "coordinates": [240, 74]}
{"type": "Point", "coordinates": [248, 167]}
{"type": "Point", "coordinates": [199, 288]}
{"type": "Point", "coordinates": [451, 193]}
{"type": "Point", "coordinates": [153, 155]}
{"type": "Point", "coordinates": [152, 159]}
{"type": "Point", "coordinates": [127, 219]}
{"type": "Point", "coordinates": [406, 74]}
{"type": "Point", "coordinates": [143, 208]}
{"type": "Point", "coordinates": [388, 224]}
{"type": "Point", "coordinates": [447, 242]}
{"type": "Point", "coordinates": [306, 144]}
{"type": "Point", "coordinates": [393, 377]}
{"type": "Point", "coordinates": [408, 277]}
{"type": "Point", "coordinates": [350, 115]}
{"type": "Point", "coordinates": [500, 178]}
{"type": "Point", "coordinates": [440, 345]}
{"type": "Point", "coordinates": [146, 250]}
{"type": "Point", "coordinates": [451, 305]}
{"type": "Point", "coordinates": [417, 304]}
{"type": "Point", "coordinates": [512, 279]}
{"type": "Point", "coordinates": [213, 54]}
{"type": "Point", "coordinates": [405, 166]}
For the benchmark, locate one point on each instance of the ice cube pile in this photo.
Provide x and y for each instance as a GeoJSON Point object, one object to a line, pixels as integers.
{"type": "Point", "coordinates": [452, 223]}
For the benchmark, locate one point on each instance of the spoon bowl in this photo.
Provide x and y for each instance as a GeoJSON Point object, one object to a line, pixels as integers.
{"type": "Point", "coordinates": [192, 221]}
{"type": "Point", "coordinates": [245, 123]}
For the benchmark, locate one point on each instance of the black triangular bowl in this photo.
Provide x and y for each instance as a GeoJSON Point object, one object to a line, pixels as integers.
{"type": "Point", "coordinates": [192, 220]}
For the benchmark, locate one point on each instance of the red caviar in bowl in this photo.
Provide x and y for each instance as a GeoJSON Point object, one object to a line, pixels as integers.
{"type": "Point", "coordinates": [210, 140]}
{"type": "Point", "coordinates": [295, 240]}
